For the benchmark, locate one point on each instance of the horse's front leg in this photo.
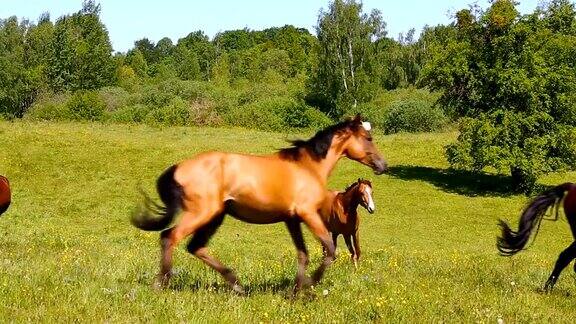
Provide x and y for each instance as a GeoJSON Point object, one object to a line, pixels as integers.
{"type": "Point", "coordinates": [348, 240]}
{"type": "Point", "coordinates": [356, 240]}
{"type": "Point", "coordinates": [317, 227]}
{"type": "Point", "coordinates": [295, 229]}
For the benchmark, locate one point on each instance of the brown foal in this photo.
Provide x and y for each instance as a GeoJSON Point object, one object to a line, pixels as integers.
{"type": "Point", "coordinates": [341, 216]}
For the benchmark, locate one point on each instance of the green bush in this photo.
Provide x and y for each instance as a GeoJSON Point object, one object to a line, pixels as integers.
{"type": "Point", "coordinates": [316, 119]}
{"type": "Point", "coordinates": [153, 97]}
{"type": "Point", "coordinates": [269, 86]}
{"type": "Point", "coordinates": [413, 116]}
{"type": "Point", "coordinates": [252, 116]}
{"type": "Point", "coordinates": [50, 107]}
{"type": "Point", "coordinates": [187, 89]}
{"type": "Point", "coordinates": [524, 146]}
{"type": "Point", "coordinates": [403, 110]}
{"type": "Point", "coordinates": [371, 112]}
{"type": "Point", "coordinates": [176, 113]}
{"type": "Point", "coordinates": [131, 114]}
{"type": "Point", "coordinates": [114, 97]}
{"type": "Point", "coordinates": [86, 105]}
{"type": "Point", "coordinates": [277, 114]}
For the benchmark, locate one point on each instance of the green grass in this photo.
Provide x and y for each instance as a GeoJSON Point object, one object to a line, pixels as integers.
{"type": "Point", "coordinates": [68, 252]}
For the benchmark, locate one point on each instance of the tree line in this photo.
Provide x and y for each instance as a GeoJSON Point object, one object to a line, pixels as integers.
{"type": "Point", "coordinates": [507, 79]}
{"type": "Point", "coordinates": [75, 53]}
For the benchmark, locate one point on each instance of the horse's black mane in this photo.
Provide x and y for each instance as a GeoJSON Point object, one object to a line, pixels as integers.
{"type": "Point", "coordinates": [318, 145]}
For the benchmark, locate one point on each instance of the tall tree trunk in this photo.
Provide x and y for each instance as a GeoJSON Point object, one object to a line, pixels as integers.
{"type": "Point", "coordinates": [351, 59]}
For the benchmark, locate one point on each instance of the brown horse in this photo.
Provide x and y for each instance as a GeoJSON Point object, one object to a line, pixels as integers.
{"type": "Point", "coordinates": [5, 196]}
{"type": "Point", "coordinates": [341, 217]}
{"type": "Point", "coordinates": [288, 186]}
{"type": "Point", "coordinates": [511, 242]}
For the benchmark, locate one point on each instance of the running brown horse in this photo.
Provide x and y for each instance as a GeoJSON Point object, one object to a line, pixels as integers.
{"type": "Point", "coordinates": [512, 242]}
{"type": "Point", "coordinates": [5, 196]}
{"type": "Point", "coordinates": [288, 186]}
{"type": "Point", "coordinates": [341, 216]}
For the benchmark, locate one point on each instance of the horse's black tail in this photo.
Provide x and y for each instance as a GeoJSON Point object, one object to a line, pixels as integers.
{"type": "Point", "coordinates": [151, 216]}
{"type": "Point", "coordinates": [511, 242]}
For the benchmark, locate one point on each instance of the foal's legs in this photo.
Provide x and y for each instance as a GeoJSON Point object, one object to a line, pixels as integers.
{"type": "Point", "coordinates": [295, 230]}
{"type": "Point", "coordinates": [563, 260]}
{"type": "Point", "coordinates": [197, 246]}
{"type": "Point", "coordinates": [317, 227]}
{"type": "Point", "coordinates": [348, 240]}
{"type": "Point", "coordinates": [356, 246]}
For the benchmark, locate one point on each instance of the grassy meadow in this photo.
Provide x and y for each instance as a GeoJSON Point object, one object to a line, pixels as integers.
{"type": "Point", "coordinates": [68, 252]}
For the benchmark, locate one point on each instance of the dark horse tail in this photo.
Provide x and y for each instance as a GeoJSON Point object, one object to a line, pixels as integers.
{"type": "Point", "coordinates": [511, 242]}
{"type": "Point", "coordinates": [151, 216]}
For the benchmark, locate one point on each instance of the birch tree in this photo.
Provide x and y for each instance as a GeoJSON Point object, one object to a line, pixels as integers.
{"type": "Point", "coordinates": [346, 37]}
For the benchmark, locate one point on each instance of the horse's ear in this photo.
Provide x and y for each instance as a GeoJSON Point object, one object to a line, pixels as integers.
{"type": "Point", "coordinates": [357, 118]}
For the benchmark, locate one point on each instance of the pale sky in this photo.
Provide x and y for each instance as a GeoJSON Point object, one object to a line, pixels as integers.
{"type": "Point", "coordinates": [130, 20]}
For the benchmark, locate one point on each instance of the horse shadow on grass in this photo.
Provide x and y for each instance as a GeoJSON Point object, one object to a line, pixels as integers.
{"type": "Point", "coordinates": [182, 282]}
{"type": "Point", "coordinates": [457, 181]}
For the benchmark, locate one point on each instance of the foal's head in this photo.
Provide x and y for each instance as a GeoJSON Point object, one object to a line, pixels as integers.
{"type": "Point", "coordinates": [363, 194]}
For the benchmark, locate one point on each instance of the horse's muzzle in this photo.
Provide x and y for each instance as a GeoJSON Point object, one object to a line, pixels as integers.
{"type": "Point", "coordinates": [370, 210]}
{"type": "Point", "coordinates": [379, 166]}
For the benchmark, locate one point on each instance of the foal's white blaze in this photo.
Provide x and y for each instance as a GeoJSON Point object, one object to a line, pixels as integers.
{"type": "Point", "coordinates": [367, 126]}
{"type": "Point", "coordinates": [370, 200]}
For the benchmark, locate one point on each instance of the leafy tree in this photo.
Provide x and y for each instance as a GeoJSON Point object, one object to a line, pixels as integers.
{"type": "Point", "coordinates": [220, 74]}
{"type": "Point", "coordinates": [346, 39]}
{"type": "Point", "coordinates": [298, 43]}
{"type": "Point", "coordinates": [514, 79]}
{"type": "Point", "coordinates": [164, 48]}
{"type": "Point", "coordinates": [186, 61]}
{"type": "Point", "coordinates": [135, 59]}
{"type": "Point", "coordinates": [236, 40]}
{"type": "Point", "coordinates": [38, 41]}
{"type": "Point", "coordinates": [16, 93]}
{"type": "Point", "coordinates": [148, 49]}
{"type": "Point", "coordinates": [204, 50]}
{"type": "Point", "coordinates": [81, 53]}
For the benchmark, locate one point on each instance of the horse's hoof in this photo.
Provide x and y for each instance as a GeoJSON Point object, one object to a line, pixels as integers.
{"type": "Point", "coordinates": [161, 281]}
{"type": "Point", "coordinates": [157, 285]}
{"type": "Point", "coordinates": [237, 288]}
{"type": "Point", "coordinates": [303, 284]}
{"type": "Point", "coordinates": [548, 286]}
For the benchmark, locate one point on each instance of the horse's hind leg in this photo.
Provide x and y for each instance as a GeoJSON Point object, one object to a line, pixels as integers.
{"type": "Point", "coordinates": [563, 260]}
{"type": "Point", "coordinates": [169, 238]}
{"type": "Point", "coordinates": [197, 246]}
{"type": "Point", "coordinates": [295, 229]}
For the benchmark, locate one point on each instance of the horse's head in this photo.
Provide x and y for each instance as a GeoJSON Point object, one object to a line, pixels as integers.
{"type": "Point", "coordinates": [365, 192]}
{"type": "Point", "coordinates": [359, 146]}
